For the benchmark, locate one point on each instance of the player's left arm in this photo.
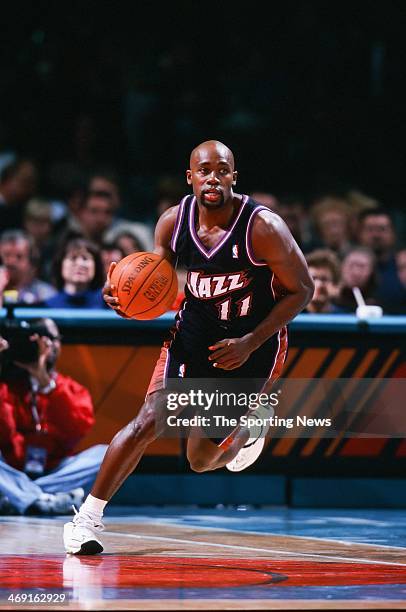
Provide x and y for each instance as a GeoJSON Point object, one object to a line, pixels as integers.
{"type": "Point", "coordinates": [274, 245]}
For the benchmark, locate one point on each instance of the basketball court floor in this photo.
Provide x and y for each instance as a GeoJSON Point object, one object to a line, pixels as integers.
{"type": "Point", "coordinates": [189, 558]}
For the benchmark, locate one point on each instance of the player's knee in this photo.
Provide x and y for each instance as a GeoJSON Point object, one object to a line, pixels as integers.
{"type": "Point", "coordinates": [199, 465]}
{"type": "Point", "coordinates": [143, 430]}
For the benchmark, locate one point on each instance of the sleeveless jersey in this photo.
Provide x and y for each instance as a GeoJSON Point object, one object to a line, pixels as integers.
{"type": "Point", "coordinates": [227, 293]}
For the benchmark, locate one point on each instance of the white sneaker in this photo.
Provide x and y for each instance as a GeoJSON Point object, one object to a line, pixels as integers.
{"type": "Point", "coordinates": [246, 455]}
{"type": "Point", "coordinates": [79, 535]}
{"type": "Point", "coordinates": [252, 449]}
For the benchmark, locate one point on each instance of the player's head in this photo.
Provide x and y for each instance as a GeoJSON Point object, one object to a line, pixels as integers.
{"type": "Point", "coordinates": [212, 174]}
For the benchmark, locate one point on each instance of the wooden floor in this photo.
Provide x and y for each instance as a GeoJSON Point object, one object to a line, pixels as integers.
{"type": "Point", "coordinates": [193, 563]}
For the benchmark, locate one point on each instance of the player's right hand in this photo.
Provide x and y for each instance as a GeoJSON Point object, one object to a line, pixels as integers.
{"type": "Point", "coordinates": [3, 344]}
{"type": "Point", "coordinates": [108, 288]}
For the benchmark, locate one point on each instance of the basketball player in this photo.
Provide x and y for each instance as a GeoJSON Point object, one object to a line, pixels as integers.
{"type": "Point", "coordinates": [247, 278]}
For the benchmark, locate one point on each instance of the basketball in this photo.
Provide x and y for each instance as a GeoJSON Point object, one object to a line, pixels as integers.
{"type": "Point", "coordinates": [145, 284]}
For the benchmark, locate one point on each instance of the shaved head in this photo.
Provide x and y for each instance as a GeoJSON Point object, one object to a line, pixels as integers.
{"type": "Point", "coordinates": [212, 174]}
{"type": "Point", "coordinates": [207, 147]}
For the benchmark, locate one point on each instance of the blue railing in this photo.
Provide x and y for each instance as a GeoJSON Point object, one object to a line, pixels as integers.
{"type": "Point", "coordinates": [303, 322]}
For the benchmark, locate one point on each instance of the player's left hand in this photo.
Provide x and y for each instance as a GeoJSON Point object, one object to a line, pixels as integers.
{"type": "Point", "coordinates": [230, 353]}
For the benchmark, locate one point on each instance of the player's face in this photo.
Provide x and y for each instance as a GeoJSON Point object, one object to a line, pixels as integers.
{"type": "Point", "coordinates": [212, 176]}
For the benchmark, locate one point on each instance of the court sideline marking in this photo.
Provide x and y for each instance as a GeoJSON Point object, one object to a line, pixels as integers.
{"type": "Point", "coordinates": [174, 523]}
{"type": "Point", "coordinates": [251, 548]}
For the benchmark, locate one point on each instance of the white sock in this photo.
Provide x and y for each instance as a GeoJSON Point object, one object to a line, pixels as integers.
{"type": "Point", "coordinates": [93, 505]}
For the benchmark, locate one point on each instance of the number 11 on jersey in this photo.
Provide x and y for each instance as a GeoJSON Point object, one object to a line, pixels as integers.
{"type": "Point", "coordinates": [243, 305]}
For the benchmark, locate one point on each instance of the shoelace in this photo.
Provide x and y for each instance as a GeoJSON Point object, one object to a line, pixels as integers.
{"type": "Point", "coordinates": [86, 521]}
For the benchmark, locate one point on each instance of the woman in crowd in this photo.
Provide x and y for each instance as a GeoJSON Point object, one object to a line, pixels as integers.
{"type": "Point", "coordinates": [78, 276]}
{"type": "Point", "coordinates": [357, 270]}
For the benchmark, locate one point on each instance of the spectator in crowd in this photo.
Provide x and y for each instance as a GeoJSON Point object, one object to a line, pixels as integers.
{"type": "Point", "coordinates": [79, 276]}
{"type": "Point", "coordinates": [293, 212]}
{"type": "Point", "coordinates": [127, 243]}
{"type": "Point", "coordinates": [357, 270]}
{"type": "Point", "coordinates": [95, 217]}
{"type": "Point", "coordinates": [43, 415]}
{"type": "Point", "coordinates": [37, 223]}
{"type": "Point", "coordinates": [376, 232]}
{"type": "Point", "coordinates": [105, 182]}
{"type": "Point", "coordinates": [110, 252]}
{"type": "Point", "coordinates": [266, 199]}
{"type": "Point", "coordinates": [358, 202]}
{"type": "Point", "coordinates": [141, 233]}
{"type": "Point", "coordinates": [18, 182]}
{"type": "Point", "coordinates": [69, 182]}
{"type": "Point", "coordinates": [324, 268]}
{"type": "Point", "coordinates": [401, 266]}
{"type": "Point", "coordinates": [4, 277]}
{"type": "Point", "coordinates": [400, 307]}
{"type": "Point", "coordinates": [20, 258]}
{"type": "Point", "coordinates": [170, 191]}
{"type": "Point", "coordinates": [95, 221]}
{"type": "Point", "coordinates": [332, 219]}
{"type": "Point", "coordinates": [82, 220]}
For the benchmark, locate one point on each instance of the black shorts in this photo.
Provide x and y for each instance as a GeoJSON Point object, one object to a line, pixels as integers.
{"type": "Point", "coordinates": [262, 368]}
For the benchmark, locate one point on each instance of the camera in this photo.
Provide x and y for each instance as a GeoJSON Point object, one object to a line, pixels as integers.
{"type": "Point", "coordinates": [18, 333]}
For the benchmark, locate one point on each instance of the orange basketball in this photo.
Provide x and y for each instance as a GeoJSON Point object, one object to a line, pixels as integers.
{"type": "Point", "coordinates": [145, 284]}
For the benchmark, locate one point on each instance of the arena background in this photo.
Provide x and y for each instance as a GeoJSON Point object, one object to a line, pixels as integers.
{"type": "Point", "coordinates": [310, 96]}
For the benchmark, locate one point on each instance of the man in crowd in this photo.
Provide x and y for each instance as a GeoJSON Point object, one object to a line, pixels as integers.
{"type": "Point", "coordinates": [43, 415]}
{"type": "Point", "coordinates": [20, 259]}
{"type": "Point", "coordinates": [324, 268]}
{"type": "Point", "coordinates": [106, 182]}
{"type": "Point", "coordinates": [95, 220]}
{"type": "Point", "coordinates": [377, 232]}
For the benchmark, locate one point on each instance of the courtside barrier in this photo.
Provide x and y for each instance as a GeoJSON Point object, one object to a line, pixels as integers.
{"type": "Point", "coordinates": [114, 358]}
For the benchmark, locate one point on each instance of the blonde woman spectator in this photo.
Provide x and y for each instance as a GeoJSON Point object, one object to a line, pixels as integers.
{"type": "Point", "coordinates": [37, 222]}
{"type": "Point", "coordinates": [332, 219]}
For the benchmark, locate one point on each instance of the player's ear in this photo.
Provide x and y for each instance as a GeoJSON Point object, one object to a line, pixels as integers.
{"type": "Point", "coordinates": [235, 174]}
{"type": "Point", "coordinates": [189, 177]}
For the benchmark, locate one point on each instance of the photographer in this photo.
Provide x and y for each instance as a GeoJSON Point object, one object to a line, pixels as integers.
{"type": "Point", "coordinates": [43, 415]}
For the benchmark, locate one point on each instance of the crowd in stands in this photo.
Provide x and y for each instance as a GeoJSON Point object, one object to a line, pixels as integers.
{"type": "Point", "coordinates": [56, 253]}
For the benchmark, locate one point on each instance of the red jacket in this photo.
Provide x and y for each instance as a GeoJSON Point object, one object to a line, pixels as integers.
{"type": "Point", "coordinates": [66, 415]}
